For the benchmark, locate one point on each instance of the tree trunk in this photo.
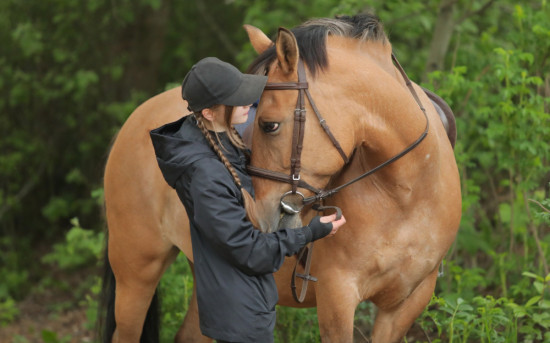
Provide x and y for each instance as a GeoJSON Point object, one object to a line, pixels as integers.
{"type": "Point", "coordinates": [145, 40]}
{"type": "Point", "coordinates": [443, 32]}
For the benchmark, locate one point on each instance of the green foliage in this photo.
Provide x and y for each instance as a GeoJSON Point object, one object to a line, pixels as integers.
{"type": "Point", "coordinates": [81, 248]}
{"type": "Point", "coordinates": [20, 339]}
{"type": "Point", "coordinates": [8, 310]}
{"type": "Point", "coordinates": [466, 317]}
{"type": "Point", "coordinates": [296, 325]}
{"type": "Point", "coordinates": [90, 302]}
{"type": "Point", "coordinates": [72, 73]}
{"type": "Point", "coordinates": [175, 291]}
{"type": "Point", "coordinates": [51, 337]}
{"type": "Point", "coordinates": [13, 276]}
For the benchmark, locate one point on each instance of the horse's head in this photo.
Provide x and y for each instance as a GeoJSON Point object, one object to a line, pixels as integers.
{"type": "Point", "coordinates": [335, 82]}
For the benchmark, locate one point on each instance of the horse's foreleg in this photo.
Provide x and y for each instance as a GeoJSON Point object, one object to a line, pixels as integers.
{"type": "Point", "coordinates": [335, 311]}
{"type": "Point", "coordinates": [391, 325]}
{"type": "Point", "coordinates": [189, 331]}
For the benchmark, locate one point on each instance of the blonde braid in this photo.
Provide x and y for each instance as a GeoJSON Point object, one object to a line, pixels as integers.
{"type": "Point", "coordinates": [249, 204]}
{"type": "Point", "coordinates": [232, 133]}
{"type": "Point", "coordinates": [239, 140]}
{"type": "Point", "coordinates": [238, 137]}
{"type": "Point", "coordinates": [218, 151]}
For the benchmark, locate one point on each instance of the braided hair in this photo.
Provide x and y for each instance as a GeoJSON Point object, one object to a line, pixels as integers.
{"type": "Point", "coordinates": [235, 139]}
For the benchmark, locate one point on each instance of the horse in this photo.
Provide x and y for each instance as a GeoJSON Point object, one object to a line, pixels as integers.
{"type": "Point", "coordinates": [339, 124]}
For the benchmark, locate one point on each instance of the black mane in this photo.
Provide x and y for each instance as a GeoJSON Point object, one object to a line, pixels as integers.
{"type": "Point", "coordinates": [311, 38]}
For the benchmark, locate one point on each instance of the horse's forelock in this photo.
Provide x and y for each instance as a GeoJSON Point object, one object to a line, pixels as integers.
{"type": "Point", "coordinates": [365, 27]}
{"type": "Point", "coordinates": [311, 37]}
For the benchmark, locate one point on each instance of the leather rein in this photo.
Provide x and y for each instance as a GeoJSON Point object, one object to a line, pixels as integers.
{"type": "Point", "coordinates": [294, 178]}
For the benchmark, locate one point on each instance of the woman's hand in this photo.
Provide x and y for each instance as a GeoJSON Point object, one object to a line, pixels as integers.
{"type": "Point", "coordinates": [336, 224]}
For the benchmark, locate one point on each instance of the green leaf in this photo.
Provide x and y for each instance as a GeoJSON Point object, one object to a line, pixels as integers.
{"type": "Point", "coordinates": [531, 275]}
{"type": "Point", "coordinates": [505, 213]}
{"type": "Point", "coordinates": [544, 304]}
{"type": "Point", "coordinates": [532, 301]}
{"type": "Point", "coordinates": [539, 286]}
{"type": "Point", "coordinates": [28, 38]}
{"type": "Point", "coordinates": [543, 319]}
{"type": "Point", "coordinates": [49, 336]}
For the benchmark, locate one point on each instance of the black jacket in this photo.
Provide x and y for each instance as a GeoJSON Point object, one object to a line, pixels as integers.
{"type": "Point", "coordinates": [233, 261]}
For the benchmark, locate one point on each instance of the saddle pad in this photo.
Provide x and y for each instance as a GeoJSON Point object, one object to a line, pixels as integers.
{"type": "Point", "coordinates": [445, 113]}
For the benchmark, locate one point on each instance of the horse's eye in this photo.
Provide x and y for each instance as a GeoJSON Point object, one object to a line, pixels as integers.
{"type": "Point", "coordinates": [270, 127]}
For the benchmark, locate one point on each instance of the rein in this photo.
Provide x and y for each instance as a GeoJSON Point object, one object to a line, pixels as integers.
{"type": "Point", "coordinates": [294, 178]}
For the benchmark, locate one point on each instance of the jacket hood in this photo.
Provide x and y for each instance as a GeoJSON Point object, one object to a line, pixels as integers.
{"type": "Point", "coordinates": [177, 145]}
{"type": "Point", "coordinates": [181, 143]}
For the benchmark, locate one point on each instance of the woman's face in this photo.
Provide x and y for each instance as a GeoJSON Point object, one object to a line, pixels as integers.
{"type": "Point", "coordinates": [240, 114]}
{"type": "Point", "coordinates": [215, 116]}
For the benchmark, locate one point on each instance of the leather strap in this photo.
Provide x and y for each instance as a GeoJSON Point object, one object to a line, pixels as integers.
{"type": "Point", "coordinates": [298, 132]}
{"type": "Point", "coordinates": [279, 86]}
{"type": "Point", "coordinates": [408, 82]}
{"type": "Point", "coordinates": [281, 177]}
{"type": "Point", "coordinates": [305, 276]}
{"type": "Point", "coordinates": [325, 127]}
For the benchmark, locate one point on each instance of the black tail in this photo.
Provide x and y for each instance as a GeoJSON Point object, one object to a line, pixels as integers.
{"type": "Point", "coordinates": [151, 327]}
{"type": "Point", "coordinates": [106, 313]}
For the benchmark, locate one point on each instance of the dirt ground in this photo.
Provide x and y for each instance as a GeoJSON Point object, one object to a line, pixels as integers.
{"type": "Point", "coordinates": [54, 313]}
{"type": "Point", "coordinates": [34, 319]}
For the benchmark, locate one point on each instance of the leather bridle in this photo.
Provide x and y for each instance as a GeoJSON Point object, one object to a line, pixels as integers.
{"type": "Point", "coordinates": [294, 178]}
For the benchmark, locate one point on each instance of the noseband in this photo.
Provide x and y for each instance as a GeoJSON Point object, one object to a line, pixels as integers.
{"type": "Point", "coordinates": [294, 179]}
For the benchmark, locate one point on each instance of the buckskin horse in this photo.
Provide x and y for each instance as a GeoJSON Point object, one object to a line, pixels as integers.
{"type": "Point", "coordinates": [339, 124]}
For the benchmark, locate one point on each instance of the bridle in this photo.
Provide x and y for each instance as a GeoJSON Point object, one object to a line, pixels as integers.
{"type": "Point", "coordinates": [294, 178]}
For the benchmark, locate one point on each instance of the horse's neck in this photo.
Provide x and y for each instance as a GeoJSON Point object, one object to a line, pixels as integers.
{"type": "Point", "coordinates": [386, 119]}
{"type": "Point", "coordinates": [387, 114]}
{"type": "Point", "coordinates": [390, 121]}
{"type": "Point", "coordinates": [380, 54]}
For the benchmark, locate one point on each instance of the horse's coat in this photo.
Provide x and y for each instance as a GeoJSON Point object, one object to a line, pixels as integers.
{"type": "Point", "coordinates": [400, 221]}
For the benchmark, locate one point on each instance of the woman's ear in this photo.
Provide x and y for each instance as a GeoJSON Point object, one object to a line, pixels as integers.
{"type": "Point", "coordinates": [208, 114]}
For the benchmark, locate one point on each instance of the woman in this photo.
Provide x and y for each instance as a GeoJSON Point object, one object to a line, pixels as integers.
{"type": "Point", "coordinates": [202, 157]}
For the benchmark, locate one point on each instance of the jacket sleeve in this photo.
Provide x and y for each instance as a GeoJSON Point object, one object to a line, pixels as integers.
{"type": "Point", "coordinates": [221, 218]}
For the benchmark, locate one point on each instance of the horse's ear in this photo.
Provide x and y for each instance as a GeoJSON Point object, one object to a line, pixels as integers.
{"type": "Point", "coordinates": [287, 51]}
{"type": "Point", "coordinates": [260, 42]}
